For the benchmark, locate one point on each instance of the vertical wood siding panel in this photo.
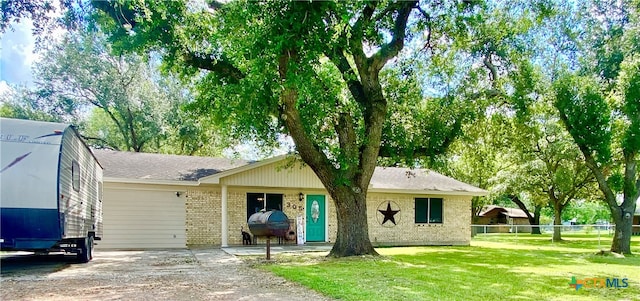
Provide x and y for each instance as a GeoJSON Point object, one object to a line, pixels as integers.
{"type": "Point", "coordinates": [275, 175]}
{"type": "Point", "coordinates": [80, 208]}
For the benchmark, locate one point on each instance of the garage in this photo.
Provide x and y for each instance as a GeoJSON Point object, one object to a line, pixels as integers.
{"type": "Point", "coordinates": [144, 198]}
{"type": "Point", "coordinates": [138, 216]}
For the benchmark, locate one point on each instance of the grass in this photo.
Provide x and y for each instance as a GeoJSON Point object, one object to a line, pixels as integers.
{"type": "Point", "coordinates": [494, 267]}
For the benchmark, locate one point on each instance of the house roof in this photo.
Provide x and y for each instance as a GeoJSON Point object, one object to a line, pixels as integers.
{"type": "Point", "coordinates": [173, 168]}
{"type": "Point", "coordinates": [395, 178]}
{"type": "Point", "coordinates": [146, 166]}
{"type": "Point", "coordinates": [509, 212]}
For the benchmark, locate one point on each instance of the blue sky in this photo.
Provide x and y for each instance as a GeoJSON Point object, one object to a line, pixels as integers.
{"type": "Point", "coordinates": [16, 55]}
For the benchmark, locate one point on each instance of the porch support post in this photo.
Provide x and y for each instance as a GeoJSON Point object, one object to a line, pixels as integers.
{"type": "Point", "coordinates": [225, 226]}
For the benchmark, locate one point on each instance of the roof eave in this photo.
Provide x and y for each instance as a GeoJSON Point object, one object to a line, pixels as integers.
{"type": "Point", "coordinates": [429, 192]}
{"type": "Point", "coordinates": [149, 181]}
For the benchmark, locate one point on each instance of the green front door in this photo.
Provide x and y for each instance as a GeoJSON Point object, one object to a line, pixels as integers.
{"type": "Point", "coordinates": [316, 218]}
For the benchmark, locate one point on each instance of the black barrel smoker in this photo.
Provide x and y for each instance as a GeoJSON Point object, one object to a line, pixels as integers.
{"type": "Point", "coordinates": [267, 224]}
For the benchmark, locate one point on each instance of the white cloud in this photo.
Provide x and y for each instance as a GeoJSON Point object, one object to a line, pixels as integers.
{"type": "Point", "coordinates": [4, 87]}
{"type": "Point", "coordinates": [17, 54]}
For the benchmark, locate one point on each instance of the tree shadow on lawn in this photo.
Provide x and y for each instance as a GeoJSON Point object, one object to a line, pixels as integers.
{"type": "Point", "coordinates": [456, 273]}
{"type": "Point", "coordinates": [493, 256]}
{"type": "Point", "coordinates": [630, 260]}
{"type": "Point", "coordinates": [489, 273]}
{"type": "Point", "coordinates": [545, 241]}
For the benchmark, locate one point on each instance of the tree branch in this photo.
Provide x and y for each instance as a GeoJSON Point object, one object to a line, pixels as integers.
{"type": "Point", "coordinates": [308, 150]}
{"type": "Point", "coordinates": [105, 142]}
{"type": "Point", "coordinates": [631, 191]}
{"type": "Point", "coordinates": [339, 59]}
{"type": "Point", "coordinates": [516, 199]}
{"type": "Point", "coordinates": [137, 147]}
{"type": "Point", "coordinates": [357, 33]}
{"type": "Point", "coordinates": [602, 181]}
{"type": "Point", "coordinates": [574, 190]}
{"type": "Point", "coordinates": [220, 66]}
{"type": "Point", "coordinates": [116, 12]}
{"type": "Point", "coordinates": [347, 138]}
{"type": "Point", "coordinates": [213, 4]}
{"type": "Point", "coordinates": [391, 49]}
{"type": "Point", "coordinates": [609, 196]}
{"type": "Point", "coordinates": [427, 44]}
{"type": "Point", "coordinates": [493, 71]}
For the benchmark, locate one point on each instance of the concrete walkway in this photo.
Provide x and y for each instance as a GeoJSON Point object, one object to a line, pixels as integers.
{"type": "Point", "coordinates": [257, 250]}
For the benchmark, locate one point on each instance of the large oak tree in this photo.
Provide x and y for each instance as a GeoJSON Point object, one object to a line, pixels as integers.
{"type": "Point", "coordinates": [599, 104]}
{"type": "Point", "coordinates": [313, 71]}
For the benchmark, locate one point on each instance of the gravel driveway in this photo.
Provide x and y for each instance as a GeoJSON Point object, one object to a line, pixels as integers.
{"type": "Point", "coordinates": [144, 275]}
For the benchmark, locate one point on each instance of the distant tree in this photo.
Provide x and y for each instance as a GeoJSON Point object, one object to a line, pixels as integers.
{"type": "Point", "coordinates": [587, 212]}
{"type": "Point", "coordinates": [509, 185]}
{"type": "Point", "coordinates": [82, 70]}
{"type": "Point", "coordinates": [22, 103]}
{"type": "Point", "coordinates": [137, 108]}
{"type": "Point", "coordinates": [559, 170]}
{"type": "Point", "coordinates": [477, 157]}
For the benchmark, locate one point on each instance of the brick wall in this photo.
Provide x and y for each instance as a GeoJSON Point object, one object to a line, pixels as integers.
{"type": "Point", "coordinates": [455, 228]}
{"type": "Point", "coordinates": [203, 218]}
{"type": "Point", "coordinates": [291, 206]}
{"type": "Point", "coordinates": [203, 214]}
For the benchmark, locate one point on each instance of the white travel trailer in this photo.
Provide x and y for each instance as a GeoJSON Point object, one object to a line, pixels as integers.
{"type": "Point", "coordinates": [51, 189]}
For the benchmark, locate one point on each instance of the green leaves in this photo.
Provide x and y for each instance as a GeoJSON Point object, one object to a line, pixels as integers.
{"type": "Point", "coordinates": [586, 114]}
{"type": "Point", "coordinates": [525, 80]}
{"type": "Point", "coordinates": [629, 86]}
{"type": "Point", "coordinates": [118, 101]}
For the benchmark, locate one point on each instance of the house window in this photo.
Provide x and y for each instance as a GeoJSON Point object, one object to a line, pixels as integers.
{"type": "Point", "coordinates": [259, 201]}
{"type": "Point", "coordinates": [75, 175]}
{"type": "Point", "coordinates": [428, 210]}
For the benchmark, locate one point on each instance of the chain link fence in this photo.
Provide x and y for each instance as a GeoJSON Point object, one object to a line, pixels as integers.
{"type": "Point", "coordinates": [605, 229]}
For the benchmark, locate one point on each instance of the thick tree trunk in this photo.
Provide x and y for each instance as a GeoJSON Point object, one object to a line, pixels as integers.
{"type": "Point", "coordinates": [353, 229]}
{"type": "Point", "coordinates": [623, 218]}
{"type": "Point", "coordinates": [535, 221]}
{"type": "Point", "coordinates": [348, 183]}
{"type": "Point", "coordinates": [557, 221]}
{"type": "Point", "coordinates": [474, 221]}
{"type": "Point", "coordinates": [622, 214]}
{"type": "Point", "coordinates": [476, 207]}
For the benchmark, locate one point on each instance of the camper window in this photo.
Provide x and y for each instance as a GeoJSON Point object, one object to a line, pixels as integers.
{"type": "Point", "coordinates": [75, 175]}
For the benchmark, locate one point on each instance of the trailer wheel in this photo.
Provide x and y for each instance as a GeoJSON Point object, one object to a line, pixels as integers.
{"type": "Point", "coordinates": [86, 250]}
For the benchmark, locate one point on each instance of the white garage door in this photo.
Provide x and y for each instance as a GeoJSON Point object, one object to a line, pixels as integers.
{"type": "Point", "coordinates": [142, 219]}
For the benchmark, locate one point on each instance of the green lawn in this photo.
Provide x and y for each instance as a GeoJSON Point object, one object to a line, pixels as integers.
{"type": "Point", "coordinates": [494, 267]}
